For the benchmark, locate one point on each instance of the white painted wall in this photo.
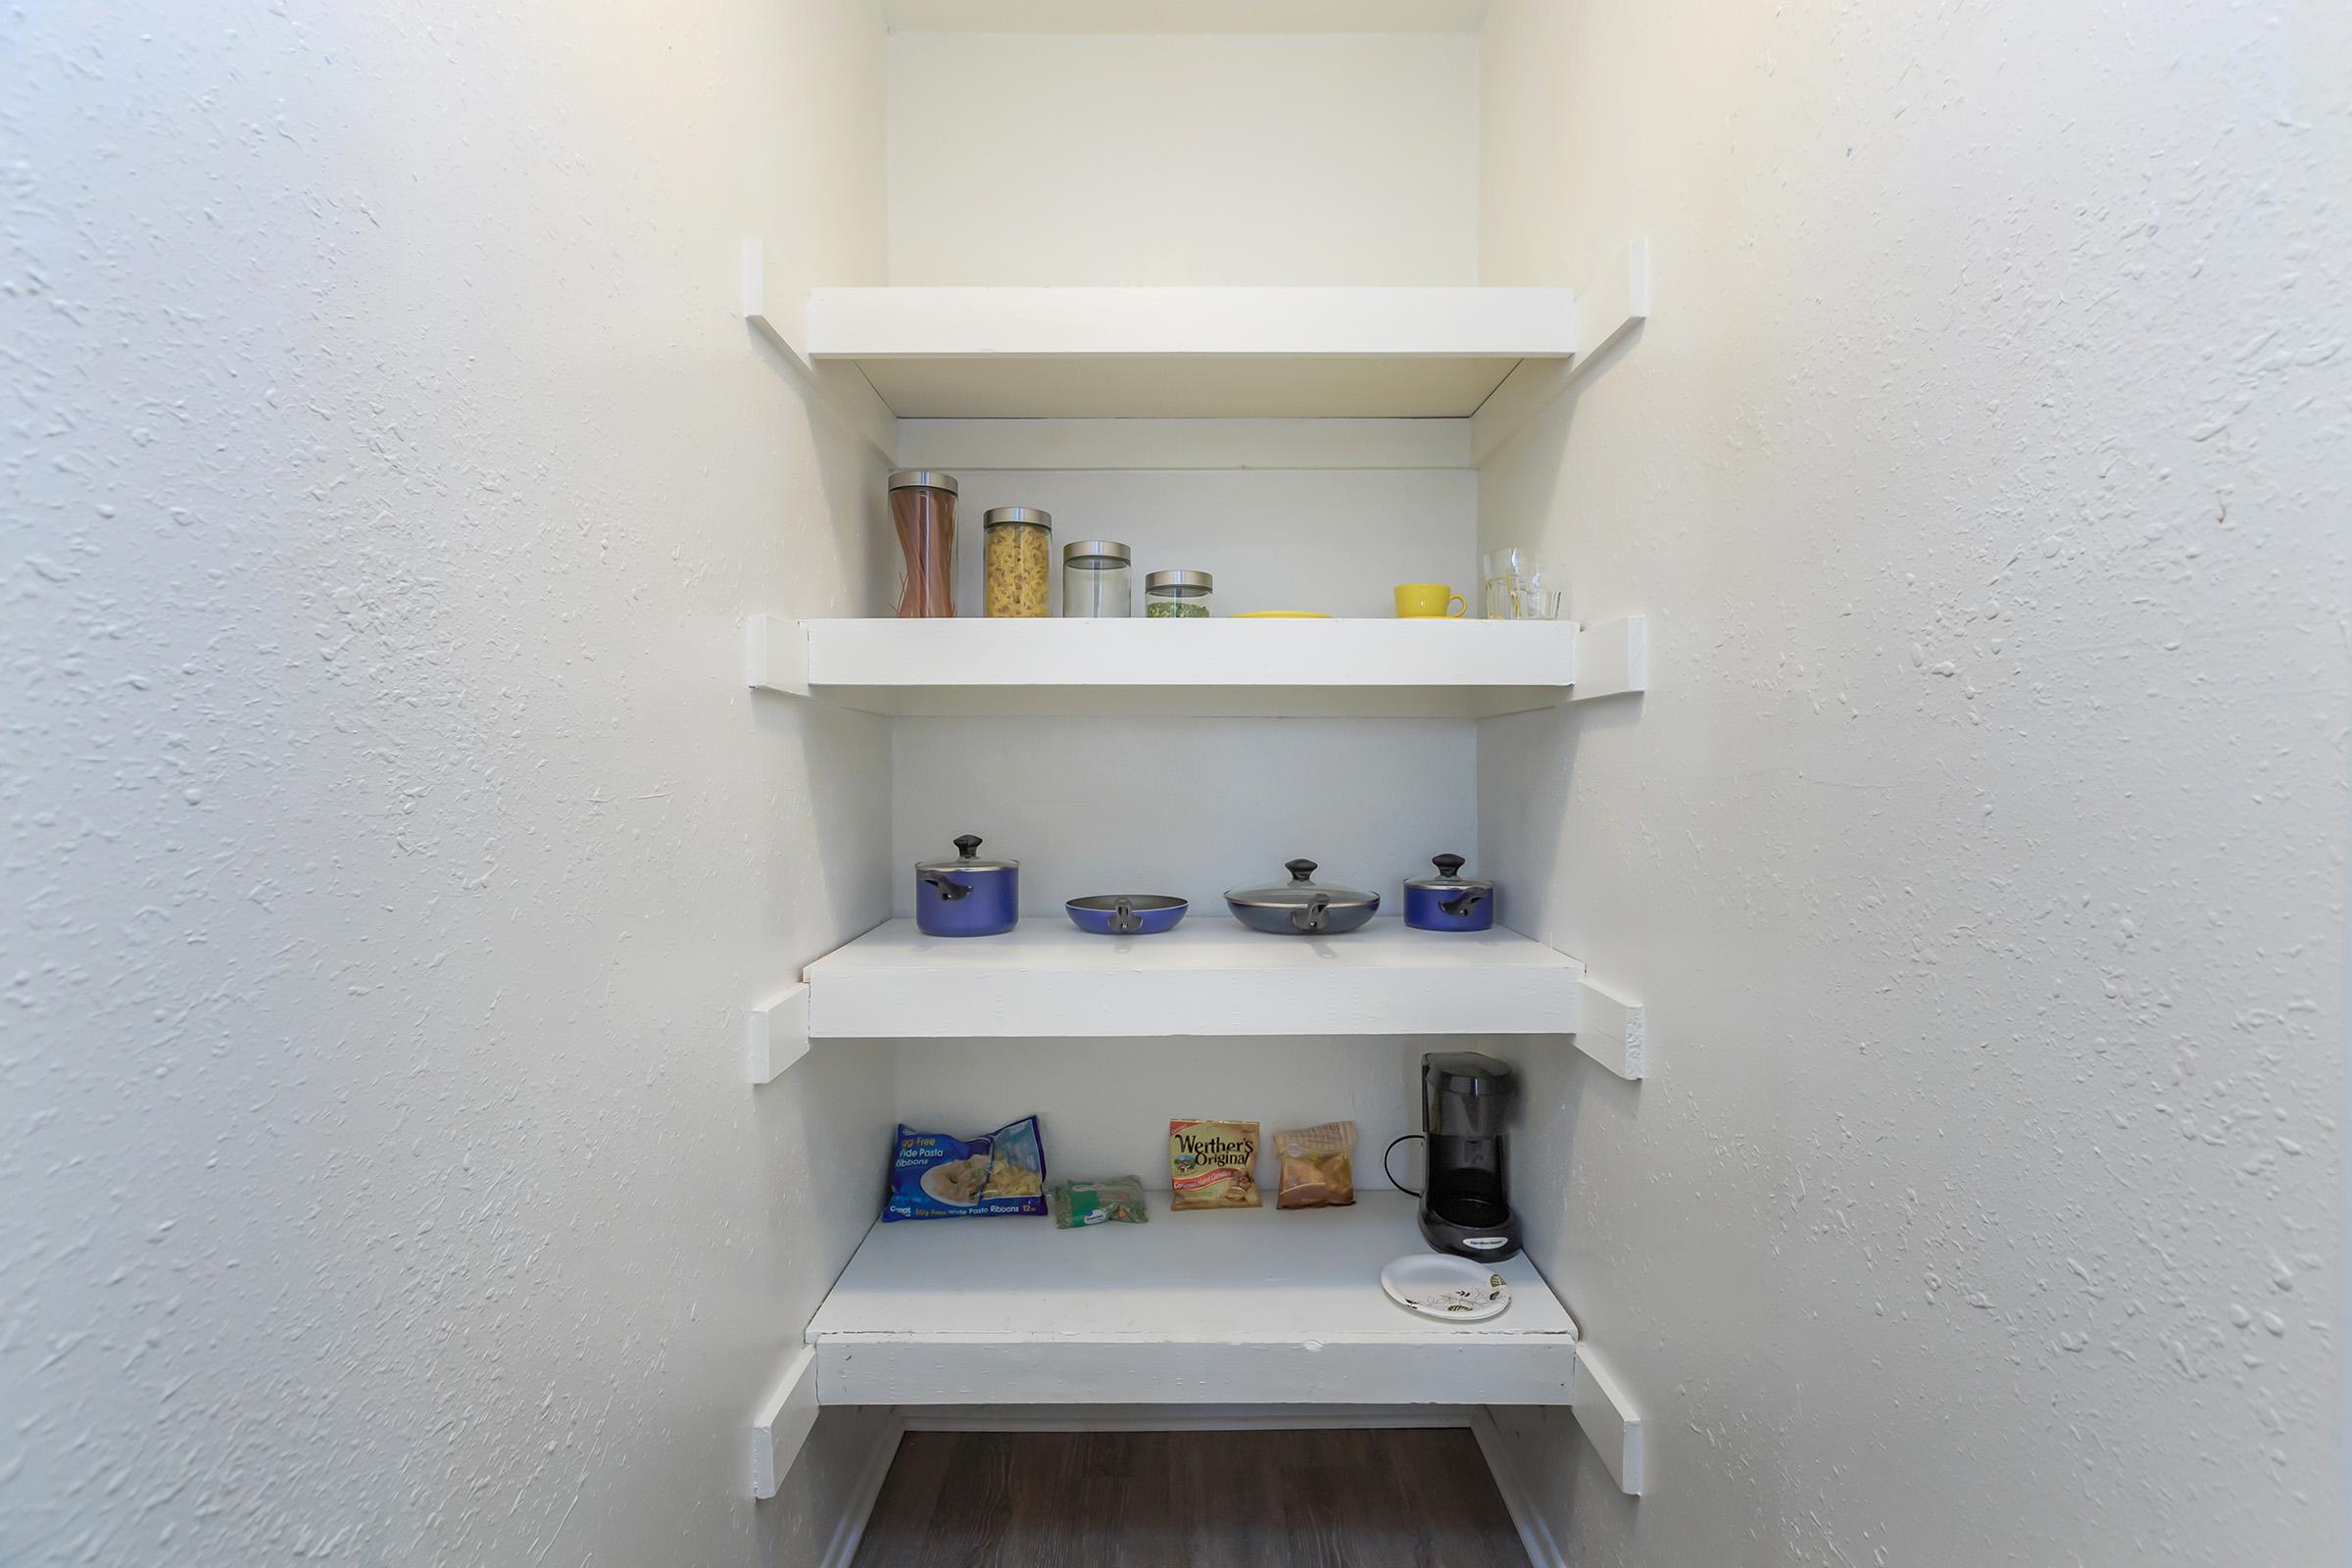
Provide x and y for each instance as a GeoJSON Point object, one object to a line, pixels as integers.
{"type": "Point", "coordinates": [1979, 848]}
{"type": "Point", "coordinates": [391, 847]}
{"type": "Point", "coordinates": [1042, 159]}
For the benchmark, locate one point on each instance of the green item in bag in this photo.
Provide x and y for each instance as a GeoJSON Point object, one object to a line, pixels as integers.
{"type": "Point", "coordinates": [1097, 1201]}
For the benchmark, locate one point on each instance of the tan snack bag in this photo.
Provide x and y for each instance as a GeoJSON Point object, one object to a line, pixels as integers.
{"type": "Point", "coordinates": [1318, 1167]}
{"type": "Point", "coordinates": [1212, 1165]}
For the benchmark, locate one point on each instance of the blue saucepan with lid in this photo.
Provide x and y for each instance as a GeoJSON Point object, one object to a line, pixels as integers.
{"type": "Point", "coordinates": [967, 897]}
{"type": "Point", "coordinates": [1449, 900]}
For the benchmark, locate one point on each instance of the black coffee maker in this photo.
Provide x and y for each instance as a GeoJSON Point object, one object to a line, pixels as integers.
{"type": "Point", "coordinates": [1466, 1203]}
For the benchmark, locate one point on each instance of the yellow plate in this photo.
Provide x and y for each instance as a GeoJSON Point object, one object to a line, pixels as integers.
{"type": "Point", "coordinates": [1279, 614]}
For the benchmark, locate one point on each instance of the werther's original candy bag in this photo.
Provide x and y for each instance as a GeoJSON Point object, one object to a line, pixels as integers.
{"type": "Point", "coordinates": [1212, 1165]}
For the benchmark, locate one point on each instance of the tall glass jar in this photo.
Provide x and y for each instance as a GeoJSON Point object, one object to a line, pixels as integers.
{"type": "Point", "coordinates": [1098, 578]}
{"type": "Point", "coordinates": [1018, 560]}
{"type": "Point", "coordinates": [922, 512]}
{"type": "Point", "coordinates": [1177, 595]}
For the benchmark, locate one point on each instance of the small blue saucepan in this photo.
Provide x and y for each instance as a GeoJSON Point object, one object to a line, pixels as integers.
{"type": "Point", "coordinates": [1449, 900]}
{"type": "Point", "coordinates": [966, 896]}
{"type": "Point", "coordinates": [1126, 914]}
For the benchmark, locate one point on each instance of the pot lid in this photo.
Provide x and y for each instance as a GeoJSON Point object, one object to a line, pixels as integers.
{"type": "Point", "coordinates": [968, 859]}
{"type": "Point", "coordinates": [1300, 891]}
{"type": "Point", "coordinates": [1450, 875]}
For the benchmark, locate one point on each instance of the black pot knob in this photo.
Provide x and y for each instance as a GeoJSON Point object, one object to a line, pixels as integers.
{"type": "Point", "coordinates": [1300, 870]}
{"type": "Point", "coordinates": [967, 845]}
{"type": "Point", "coordinates": [1448, 865]}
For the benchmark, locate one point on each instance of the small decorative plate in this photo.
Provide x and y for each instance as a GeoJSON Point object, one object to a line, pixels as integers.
{"type": "Point", "coordinates": [1451, 1289]}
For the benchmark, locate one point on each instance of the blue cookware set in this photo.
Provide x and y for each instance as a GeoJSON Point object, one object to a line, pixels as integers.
{"type": "Point", "coordinates": [977, 895]}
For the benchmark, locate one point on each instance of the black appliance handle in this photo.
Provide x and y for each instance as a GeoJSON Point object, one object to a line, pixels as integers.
{"type": "Point", "coordinates": [1310, 918]}
{"type": "Point", "coordinates": [1124, 921]}
{"type": "Point", "coordinates": [1384, 1161]}
{"type": "Point", "coordinates": [948, 888]}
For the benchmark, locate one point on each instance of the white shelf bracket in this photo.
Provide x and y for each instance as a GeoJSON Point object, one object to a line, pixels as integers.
{"type": "Point", "coordinates": [1609, 1421]}
{"type": "Point", "coordinates": [783, 1423]}
{"type": "Point", "coordinates": [1611, 1030]}
{"type": "Point", "coordinates": [779, 1033]}
{"type": "Point", "coordinates": [1616, 304]}
{"type": "Point", "coordinates": [781, 314]}
{"type": "Point", "coordinates": [775, 654]}
{"type": "Point", "coordinates": [1612, 658]}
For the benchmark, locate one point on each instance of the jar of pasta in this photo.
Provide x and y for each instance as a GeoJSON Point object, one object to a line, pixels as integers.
{"type": "Point", "coordinates": [1017, 560]}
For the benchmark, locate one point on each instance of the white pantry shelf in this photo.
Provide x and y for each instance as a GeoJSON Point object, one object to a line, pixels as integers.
{"type": "Point", "coordinates": [1221, 666]}
{"type": "Point", "coordinates": [1260, 1307]}
{"type": "Point", "coordinates": [1189, 353]}
{"type": "Point", "coordinates": [1209, 976]}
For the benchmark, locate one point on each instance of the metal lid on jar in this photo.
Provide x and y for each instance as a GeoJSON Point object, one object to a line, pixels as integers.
{"type": "Point", "coordinates": [1450, 876]}
{"type": "Point", "coordinates": [1301, 890]}
{"type": "Point", "coordinates": [923, 480]}
{"type": "Point", "coordinates": [1182, 585]}
{"type": "Point", "coordinates": [1096, 549]}
{"type": "Point", "coordinates": [1034, 516]}
{"type": "Point", "coordinates": [968, 859]}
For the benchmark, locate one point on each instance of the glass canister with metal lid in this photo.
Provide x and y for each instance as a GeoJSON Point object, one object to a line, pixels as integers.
{"type": "Point", "coordinates": [1098, 578]}
{"type": "Point", "coordinates": [923, 512]}
{"type": "Point", "coordinates": [1449, 900]}
{"type": "Point", "coordinates": [1177, 595]}
{"type": "Point", "coordinates": [1017, 562]}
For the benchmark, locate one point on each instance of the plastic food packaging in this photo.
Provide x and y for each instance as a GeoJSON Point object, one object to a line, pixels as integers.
{"type": "Point", "coordinates": [1318, 1167]}
{"type": "Point", "coordinates": [1212, 1165]}
{"type": "Point", "coordinates": [1105, 1199]}
{"type": "Point", "coordinates": [934, 1176]}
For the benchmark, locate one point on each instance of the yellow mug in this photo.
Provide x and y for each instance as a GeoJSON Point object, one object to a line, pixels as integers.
{"type": "Point", "coordinates": [1429, 601]}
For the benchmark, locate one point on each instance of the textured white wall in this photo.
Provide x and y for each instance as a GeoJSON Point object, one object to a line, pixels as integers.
{"type": "Point", "coordinates": [390, 847]}
{"type": "Point", "coordinates": [1980, 847]}
{"type": "Point", "coordinates": [1233, 158]}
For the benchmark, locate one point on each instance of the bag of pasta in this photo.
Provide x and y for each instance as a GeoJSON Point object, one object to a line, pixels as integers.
{"type": "Point", "coordinates": [936, 1176]}
{"type": "Point", "coordinates": [1318, 1165]}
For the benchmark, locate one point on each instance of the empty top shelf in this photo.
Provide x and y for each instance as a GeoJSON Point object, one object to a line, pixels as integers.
{"type": "Point", "coordinates": [1189, 353]}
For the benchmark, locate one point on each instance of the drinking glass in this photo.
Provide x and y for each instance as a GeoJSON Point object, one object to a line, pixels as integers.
{"type": "Point", "coordinates": [1519, 587]}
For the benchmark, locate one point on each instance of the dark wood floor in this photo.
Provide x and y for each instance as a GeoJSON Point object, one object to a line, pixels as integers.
{"type": "Point", "coordinates": [1392, 1498]}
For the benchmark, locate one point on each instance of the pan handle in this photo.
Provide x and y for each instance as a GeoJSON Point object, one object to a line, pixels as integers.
{"type": "Point", "coordinates": [1124, 921]}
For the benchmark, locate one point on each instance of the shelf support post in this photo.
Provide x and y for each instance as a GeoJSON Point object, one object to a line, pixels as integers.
{"type": "Point", "coordinates": [1612, 658]}
{"type": "Point", "coordinates": [775, 654]}
{"type": "Point", "coordinates": [783, 1422]}
{"type": "Point", "coordinates": [779, 1033]}
{"type": "Point", "coordinates": [1609, 1421]}
{"type": "Point", "coordinates": [1612, 1030]}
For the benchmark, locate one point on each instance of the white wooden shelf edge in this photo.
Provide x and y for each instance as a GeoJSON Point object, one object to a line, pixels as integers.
{"type": "Point", "coordinates": [783, 1422]}
{"type": "Point", "coordinates": [779, 1033]}
{"type": "Point", "coordinates": [1045, 979]}
{"type": "Point", "coordinates": [883, 323]}
{"type": "Point", "coordinates": [1609, 1420]}
{"type": "Point", "coordinates": [1611, 1030]}
{"type": "Point", "coordinates": [1226, 665]}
